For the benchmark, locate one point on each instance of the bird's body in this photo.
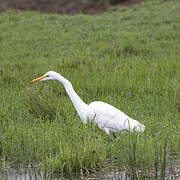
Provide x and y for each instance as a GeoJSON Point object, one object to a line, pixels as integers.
{"type": "Point", "coordinates": [107, 117]}
{"type": "Point", "coordinates": [111, 119]}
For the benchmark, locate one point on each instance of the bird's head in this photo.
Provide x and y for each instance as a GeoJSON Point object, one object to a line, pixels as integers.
{"type": "Point", "coordinates": [50, 75]}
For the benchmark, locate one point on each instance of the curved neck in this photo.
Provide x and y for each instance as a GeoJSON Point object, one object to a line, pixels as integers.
{"type": "Point", "coordinates": [80, 105]}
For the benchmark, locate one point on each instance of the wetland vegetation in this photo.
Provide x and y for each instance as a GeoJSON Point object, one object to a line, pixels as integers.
{"type": "Point", "coordinates": [128, 57]}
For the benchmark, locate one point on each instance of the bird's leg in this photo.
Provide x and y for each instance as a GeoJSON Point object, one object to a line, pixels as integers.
{"type": "Point", "coordinates": [114, 134]}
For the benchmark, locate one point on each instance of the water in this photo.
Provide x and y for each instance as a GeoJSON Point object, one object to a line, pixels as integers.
{"type": "Point", "coordinates": [33, 173]}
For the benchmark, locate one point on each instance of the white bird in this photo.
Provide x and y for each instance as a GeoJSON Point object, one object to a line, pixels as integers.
{"type": "Point", "coordinates": [107, 117]}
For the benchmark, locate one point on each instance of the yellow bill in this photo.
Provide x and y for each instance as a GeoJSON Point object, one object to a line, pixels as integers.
{"type": "Point", "coordinates": [38, 79]}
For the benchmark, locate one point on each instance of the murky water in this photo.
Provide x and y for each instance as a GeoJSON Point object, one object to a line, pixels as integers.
{"type": "Point", "coordinates": [34, 174]}
{"type": "Point", "coordinates": [31, 173]}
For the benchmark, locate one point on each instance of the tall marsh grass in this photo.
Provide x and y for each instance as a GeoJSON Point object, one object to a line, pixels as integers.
{"type": "Point", "coordinates": [128, 57]}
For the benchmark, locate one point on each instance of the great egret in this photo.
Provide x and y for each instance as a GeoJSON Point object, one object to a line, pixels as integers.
{"type": "Point", "coordinates": [107, 117]}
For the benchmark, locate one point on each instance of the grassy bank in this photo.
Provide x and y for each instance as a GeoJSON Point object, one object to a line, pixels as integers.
{"type": "Point", "coordinates": [128, 57]}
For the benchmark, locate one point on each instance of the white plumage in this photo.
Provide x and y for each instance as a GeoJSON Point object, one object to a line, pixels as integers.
{"type": "Point", "coordinates": [107, 117]}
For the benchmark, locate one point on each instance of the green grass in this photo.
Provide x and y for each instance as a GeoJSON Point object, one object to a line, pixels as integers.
{"type": "Point", "coordinates": [128, 57]}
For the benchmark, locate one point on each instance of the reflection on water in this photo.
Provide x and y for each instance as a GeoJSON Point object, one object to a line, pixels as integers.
{"type": "Point", "coordinates": [35, 174]}
{"type": "Point", "coordinates": [31, 173]}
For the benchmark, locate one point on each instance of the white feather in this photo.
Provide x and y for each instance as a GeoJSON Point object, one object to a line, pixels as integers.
{"type": "Point", "coordinates": [107, 117]}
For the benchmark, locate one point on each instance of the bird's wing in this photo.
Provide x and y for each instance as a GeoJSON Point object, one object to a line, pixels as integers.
{"type": "Point", "coordinates": [109, 118]}
{"type": "Point", "coordinates": [114, 123]}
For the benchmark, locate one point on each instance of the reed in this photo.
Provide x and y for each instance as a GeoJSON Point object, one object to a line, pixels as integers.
{"type": "Point", "coordinates": [127, 57]}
